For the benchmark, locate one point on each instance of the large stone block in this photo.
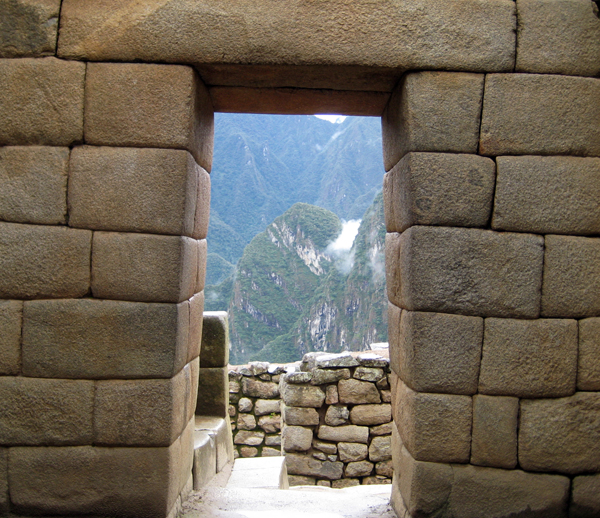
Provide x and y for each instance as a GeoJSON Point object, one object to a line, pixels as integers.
{"type": "Point", "coordinates": [45, 412]}
{"type": "Point", "coordinates": [41, 101]}
{"type": "Point", "coordinates": [4, 498]}
{"type": "Point", "coordinates": [44, 261]}
{"type": "Point", "coordinates": [352, 451]}
{"type": "Point", "coordinates": [299, 416]}
{"type": "Point", "coordinates": [434, 427]}
{"type": "Point", "coordinates": [299, 464]}
{"type": "Point", "coordinates": [588, 368]}
{"type": "Point", "coordinates": [302, 396]}
{"type": "Point", "coordinates": [34, 184]}
{"type": "Point", "coordinates": [529, 114]}
{"type": "Point", "coordinates": [371, 414]}
{"type": "Point", "coordinates": [296, 438]}
{"type": "Point", "coordinates": [529, 358]}
{"type": "Point", "coordinates": [571, 277]}
{"type": "Point", "coordinates": [547, 195]}
{"type": "Point", "coordinates": [147, 105]}
{"type": "Point", "coordinates": [444, 189]}
{"type": "Point", "coordinates": [466, 271]}
{"type": "Point", "coordinates": [213, 392]}
{"type": "Point", "coordinates": [585, 500]}
{"type": "Point", "coordinates": [11, 320]}
{"type": "Point", "coordinates": [144, 267]}
{"type": "Point", "coordinates": [29, 28]}
{"type": "Point", "coordinates": [220, 430]}
{"type": "Point", "coordinates": [380, 449]}
{"type": "Point", "coordinates": [436, 352]}
{"type": "Point", "coordinates": [558, 37]}
{"type": "Point", "coordinates": [215, 339]}
{"type": "Point", "coordinates": [560, 435]}
{"type": "Point", "coordinates": [494, 441]}
{"type": "Point", "coordinates": [104, 339]}
{"type": "Point", "coordinates": [196, 308]}
{"type": "Point", "coordinates": [202, 216]}
{"type": "Point", "coordinates": [205, 459]}
{"type": "Point", "coordinates": [357, 392]}
{"type": "Point", "coordinates": [135, 190]}
{"type": "Point", "coordinates": [345, 433]}
{"type": "Point", "coordinates": [432, 111]}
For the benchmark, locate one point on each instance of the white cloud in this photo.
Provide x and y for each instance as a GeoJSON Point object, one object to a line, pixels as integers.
{"type": "Point", "coordinates": [335, 119]}
{"type": "Point", "coordinates": [341, 248]}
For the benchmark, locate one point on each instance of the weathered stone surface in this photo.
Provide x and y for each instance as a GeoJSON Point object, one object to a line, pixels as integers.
{"type": "Point", "coordinates": [45, 412]}
{"type": "Point", "coordinates": [134, 190]}
{"type": "Point", "coordinates": [300, 480]}
{"type": "Point", "coordinates": [384, 468]}
{"type": "Point", "coordinates": [558, 37]}
{"type": "Point", "coordinates": [332, 396]}
{"type": "Point", "coordinates": [369, 359]}
{"type": "Point", "coordinates": [529, 358]}
{"type": "Point", "coordinates": [302, 396]}
{"type": "Point", "coordinates": [260, 389]}
{"type": "Point", "coordinates": [368, 373]}
{"type": "Point", "coordinates": [296, 438]}
{"type": "Point", "coordinates": [352, 451]}
{"type": "Point", "coordinates": [432, 111]}
{"type": "Point", "coordinates": [300, 416]}
{"type": "Point", "coordinates": [325, 447]}
{"type": "Point", "coordinates": [453, 190]}
{"type": "Point", "coordinates": [249, 438]}
{"type": "Point", "coordinates": [41, 101]}
{"type": "Point", "coordinates": [4, 496]}
{"type": "Point", "coordinates": [346, 433]}
{"type": "Point", "coordinates": [494, 440]}
{"type": "Point", "coordinates": [148, 105]}
{"type": "Point", "coordinates": [246, 422]}
{"type": "Point", "coordinates": [297, 377]}
{"type": "Point", "coordinates": [298, 464]}
{"type": "Point", "coordinates": [588, 369]}
{"type": "Point", "coordinates": [465, 271]}
{"type": "Point", "coordinates": [11, 319]}
{"type": "Point", "coordinates": [345, 482]}
{"type": "Point", "coordinates": [196, 308]}
{"type": "Point", "coordinates": [324, 376]}
{"type": "Point", "coordinates": [220, 430]}
{"type": "Point", "coordinates": [320, 360]}
{"type": "Point", "coordinates": [358, 392]}
{"type": "Point", "coordinates": [34, 184]}
{"type": "Point", "coordinates": [337, 415]}
{"type": "Point", "coordinates": [201, 219]}
{"type": "Point", "coordinates": [560, 435]}
{"type": "Point", "coordinates": [232, 410]}
{"type": "Point", "coordinates": [270, 452]}
{"type": "Point", "coordinates": [40, 261]}
{"type": "Point", "coordinates": [245, 404]}
{"type": "Point", "coordinates": [434, 427]}
{"type": "Point", "coordinates": [259, 368]}
{"type": "Point", "coordinates": [435, 352]}
{"type": "Point", "coordinates": [266, 406]}
{"type": "Point", "coordinates": [371, 414]}
{"type": "Point", "coordinates": [585, 501]}
{"type": "Point", "coordinates": [529, 114]}
{"type": "Point", "coordinates": [82, 338]}
{"type": "Point", "coordinates": [248, 451]}
{"type": "Point", "coordinates": [380, 449]}
{"type": "Point", "coordinates": [383, 383]}
{"type": "Point", "coordinates": [215, 340]}
{"type": "Point", "coordinates": [361, 468]}
{"type": "Point", "coordinates": [548, 195]}
{"type": "Point", "coordinates": [205, 459]}
{"type": "Point", "coordinates": [143, 267]}
{"type": "Point", "coordinates": [273, 440]}
{"type": "Point", "coordinates": [382, 429]}
{"type": "Point", "coordinates": [270, 423]}
{"type": "Point", "coordinates": [571, 277]}
{"type": "Point", "coordinates": [213, 393]}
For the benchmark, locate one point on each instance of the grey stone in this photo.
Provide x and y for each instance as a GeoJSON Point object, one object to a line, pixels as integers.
{"type": "Point", "coordinates": [302, 396]}
{"type": "Point", "coordinates": [273, 440]}
{"type": "Point", "coordinates": [259, 368]}
{"type": "Point", "coordinates": [234, 386]}
{"type": "Point", "coordinates": [368, 373]}
{"type": "Point", "coordinates": [332, 458]}
{"type": "Point", "coordinates": [376, 480]}
{"type": "Point", "coordinates": [11, 318]}
{"type": "Point", "coordinates": [324, 376]}
{"type": "Point", "coordinates": [432, 111]}
{"type": "Point", "coordinates": [548, 195]}
{"type": "Point", "coordinates": [380, 449]}
{"type": "Point", "coordinates": [196, 308]}
{"type": "Point", "coordinates": [571, 277]}
{"type": "Point", "coordinates": [296, 438]}
{"type": "Point", "coordinates": [300, 416]}
{"type": "Point", "coordinates": [300, 480]}
{"type": "Point", "coordinates": [332, 396]}
{"type": "Point", "coordinates": [205, 459]}
{"type": "Point", "coordinates": [585, 501]}
{"type": "Point", "coordinates": [245, 404]}
{"type": "Point", "coordinates": [215, 339]}
{"type": "Point", "coordinates": [248, 451]}
{"type": "Point", "coordinates": [361, 468]}
{"type": "Point", "coordinates": [386, 396]}
{"type": "Point", "coordinates": [329, 361]}
{"type": "Point", "coordinates": [588, 370]}
{"type": "Point", "coordinates": [319, 455]}
{"type": "Point", "coordinates": [260, 389]}
{"type": "Point", "coordinates": [249, 438]}
{"type": "Point", "coordinates": [324, 483]}
{"type": "Point", "coordinates": [4, 496]}
{"type": "Point", "coordinates": [266, 406]}
{"type": "Point", "coordinates": [358, 392]}
{"type": "Point", "coordinates": [560, 435]}
{"type": "Point", "coordinates": [383, 383]}
{"type": "Point", "coordinates": [220, 430]}
{"type": "Point", "coordinates": [298, 464]}
{"type": "Point", "coordinates": [270, 452]}
{"type": "Point", "coordinates": [325, 447]}
{"type": "Point", "coordinates": [368, 359]}
{"type": "Point", "coordinates": [558, 37]}
{"type": "Point", "coordinates": [41, 101]}
{"type": "Point", "coordinates": [270, 423]}
{"type": "Point", "coordinates": [34, 184]}
{"type": "Point", "coordinates": [453, 190]}
{"type": "Point", "coordinates": [529, 358]}
{"type": "Point", "coordinates": [345, 433]}
{"type": "Point", "coordinates": [529, 114]}
{"type": "Point", "coordinates": [352, 451]}
{"type": "Point", "coordinates": [465, 271]}
{"type": "Point", "coordinates": [382, 429]}
{"type": "Point", "coordinates": [494, 442]}
{"type": "Point", "coordinates": [232, 410]}
{"type": "Point", "coordinates": [385, 468]}
{"type": "Point", "coordinates": [345, 482]}
{"type": "Point", "coordinates": [297, 377]}
{"type": "Point", "coordinates": [337, 415]}
{"type": "Point", "coordinates": [246, 422]}
{"type": "Point", "coordinates": [213, 392]}
{"type": "Point", "coordinates": [371, 414]}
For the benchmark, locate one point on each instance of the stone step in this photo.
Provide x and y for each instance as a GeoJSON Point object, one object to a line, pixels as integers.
{"type": "Point", "coordinates": [213, 448]}
{"type": "Point", "coordinates": [259, 472]}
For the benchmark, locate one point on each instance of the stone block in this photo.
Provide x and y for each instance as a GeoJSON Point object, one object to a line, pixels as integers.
{"type": "Point", "coordinates": [324, 376]}
{"type": "Point", "coordinates": [45, 412]}
{"type": "Point", "coordinates": [371, 414]}
{"type": "Point", "coordinates": [245, 404]}
{"type": "Point", "coordinates": [345, 433]}
{"type": "Point", "coordinates": [585, 500]}
{"type": "Point", "coordinates": [300, 480]}
{"type": "Point", "coordinates": [331, 395]}
{"type": "Point", "coordinates": [249, 438]}
{"type": "Point", "coordinates": [300, 416]}
{"type": "Point", "coordinates": [34, 184]}
{"type": "Point", "coordinates": [337, 415]}
{"type": "Point", "coordinates": [215, 340]}
{"type": "Point", "coordinates": [148, 105]}
{"type": "Point", "coordinates": [205, 459]}
{"type": "Point", "coordinates": [465, 271]}
{"type": "Point", "coordinates": [432, 111]}
{"type": "Point", "coordinates": [325, 447]}
{"type": "Point", "coordinates": [320, 360]}
{"type": "Point", "coordinates": [11, 319]}
{"type": "Point", "coordinates": [196, 309]}
{"type": "Point", "coordinates": [270, 423]}
{"type": "Point", "coordinates": [530, 114]}
{"type": "Point", "coordinates": [29, 28]}
{"type": "Point", "coordinates": [266, 407]}
{"type": "Point", "coordinates": [270, 452]}
{"type": "Point", "coordinates": [571, 277]}
{"type": "Point", "coordinates": [384, 468]}
{"type": "Point", "coordinates": [40, 261]}
{"type": "Point", "coordinates": [368, 373]}
{"type": "Point", "coordinates": [380, 449]}
{"type": "Point", "coordinates": [220, 430]}
{"type": "Point", "coordinates": [213, 392]}
{"type": "Point", "coordinates": [494, 442]}
{"type": "Point", "coordinates": [548, 195]}
{"type": "Point", "coordinates": [352, 451]}
{"type": "Point", "coordinates": [296, 438]}
{"type": "Point", "coordinates": [246, 422]}
{"type": "Point", "coordinates": [529, 358]}
{"type": "Point", "coordinates": [382, 429]}
{"type": "Point", "coordinates": [558, 37]}
{"type": "Point", "coordinates": [143, 267]}
{"type": "Point", "coordinates": [299, 464]}
{"type": "Point", "coordinates": [4, 497]}
{"type": "Point", "coordinates": [302, 396]}
{"type": "Point", "coordinates": [103, 339]}
{"type": "Point", "coordinates": [560, 435]}
{"type": "Point", "coordinates": [248, 451]}
{"type": "Point", "coordinates": [260, 389]}
{"type": "Point", "coordinates": [358, 392]}
{"type": "Point", "coordinates": [361, 468]}
{"type": "Point", "coordinates": [155, 191]}
{"type": "Point", "coordinates": [434, 427]}
{"type": "Point", "coordinates": [436, 352]}
{"type": "Point", "coordinates": [273, 440]}
{"type": "Point", "coordinates": [453, 190]}
{"type": "Point", "coordinates": [588, 369]}
{"type": "Point", "coordinates": [41, 101]}
{"type": "Point", "coordinates": [201, 218]}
